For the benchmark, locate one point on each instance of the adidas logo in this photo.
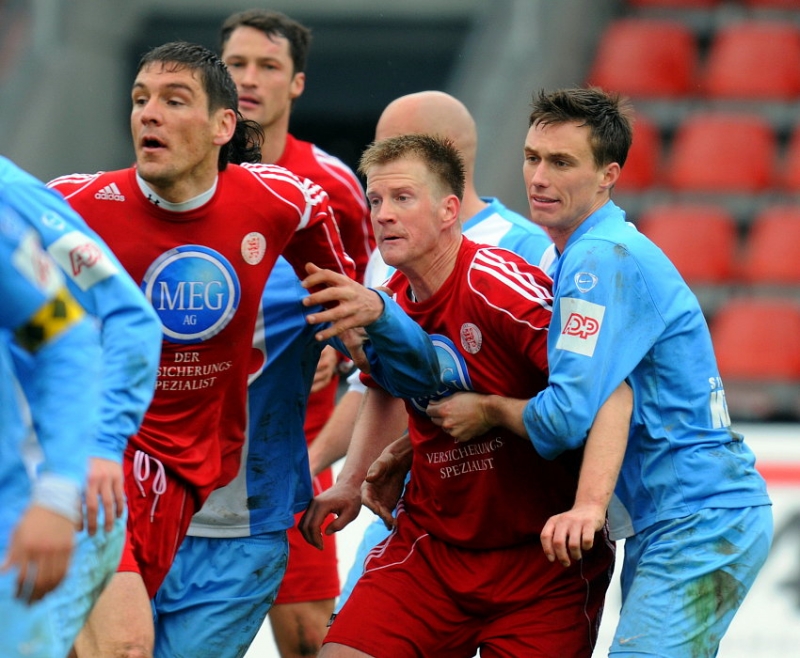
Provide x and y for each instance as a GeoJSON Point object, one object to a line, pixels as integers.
{"type": "Point", "coordinates": [110, 193]}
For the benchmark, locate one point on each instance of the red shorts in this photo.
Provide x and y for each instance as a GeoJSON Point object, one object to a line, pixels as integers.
{"type": "Point", "coordinates": [311, 574]}
{"type": "Point", "coordinates": [422, 597]}
{"type": "Point", "coordinates": [159, 515]}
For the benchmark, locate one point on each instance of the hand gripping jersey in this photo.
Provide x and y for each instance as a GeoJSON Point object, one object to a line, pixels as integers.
{"type": "Point", "coordinates": [38, 313]}
{"type": "Point", "coordinates": [489, 325]}
{"type": "Point", "coordinates": [622, 312]}
{"type": "Point", "coordinates": [131, 332]}
{"type": "Point", "coordinates": [203, 270]}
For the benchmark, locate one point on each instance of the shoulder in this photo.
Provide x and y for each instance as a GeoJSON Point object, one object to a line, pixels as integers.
{"type": "Point", "coordinates": [337, 178]}
{"type": "Point", "coordinates": [614, 247]}
{"type": "Point", "coordinates": [73, 183]}
{"type": "Point", "coordinates": [277, 180]}
{"type": "Point", "coordinates": [265, 173]}
{"type": "Point", "coordinates": [497, 272]}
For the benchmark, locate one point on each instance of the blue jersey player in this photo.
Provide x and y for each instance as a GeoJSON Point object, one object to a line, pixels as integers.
{"type": "Point", "coordinates": [40, 508]}
{"type": "Point", "coordinates": [694, 511]}
{"type": "Point", "coordinates": [131, 338]}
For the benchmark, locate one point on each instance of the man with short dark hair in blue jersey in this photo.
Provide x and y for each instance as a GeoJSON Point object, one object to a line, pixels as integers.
{"type": "Point", "coordinates": [41, 476]}
{"type": "Point", "coordinates": [693, 509]}
{"type": "Point", "coordinates": [131, 337]}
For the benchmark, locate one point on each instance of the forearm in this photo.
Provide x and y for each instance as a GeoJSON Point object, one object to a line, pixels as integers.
{"type": "Point", "coordinates": [381, 420]}
{"type": "Point", "coordinates": [605, 450]}
{"type": "Point", "coordinates": [401, 451]}
{"type": "Point", "coordinates": [505, 412]}
{"type": "Point", "coordinates": [333, 439]}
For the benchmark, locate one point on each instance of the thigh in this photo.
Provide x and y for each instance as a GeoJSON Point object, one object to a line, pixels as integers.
{"type": "Point", "coordinates": [300, 628]}
{"type": "Point", "coordinates": [157, 524]}
{"type": "Point", "coordinates": [399, 606]}
{"type": "Point", "coordinates": [217, 595]}
{"type": "Point", "coordinates": [683, 580]}
{"type": "Point", "coordinates": [23, 632]}
{"type": "Point", "coordinates": [121, 622]}
{"type": "Point", "coordinates": [549, 610]}
{"type": "Point", "coordinates": [93, 564]}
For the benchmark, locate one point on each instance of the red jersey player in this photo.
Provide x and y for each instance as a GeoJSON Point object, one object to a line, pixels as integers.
{"type": "Point", "coordinates": [266, 53]}
{"type": "Point", "coordinates": [464, 569]}
{"type": "Point", "coordinates": [201, 236]}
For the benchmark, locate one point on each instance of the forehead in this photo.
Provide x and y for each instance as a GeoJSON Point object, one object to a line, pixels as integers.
{"type": "Point", "coordinates": [407, 171]}
{"type": "Point", "coordinates": [568, 137]}
{"type": "Point", "coordinates": [156, 74]}
{"type": "Point", "coordinates": [244, 39]}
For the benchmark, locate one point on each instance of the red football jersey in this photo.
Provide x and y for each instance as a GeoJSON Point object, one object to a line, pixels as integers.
{"type": "Point", "coordinates": [204, 270]}
{"type": "Point", "coordinates": [489, 322]}
{"type": "Point", "coordinates": [348, 201]}
{"type": "Point", "coordinates": [345, 194]}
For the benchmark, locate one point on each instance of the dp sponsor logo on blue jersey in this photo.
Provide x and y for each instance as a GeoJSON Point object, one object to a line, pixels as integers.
{"type": "Point", "coordinates": [195, 292]}
{"type": "Point", "coordinates": [452, 372]}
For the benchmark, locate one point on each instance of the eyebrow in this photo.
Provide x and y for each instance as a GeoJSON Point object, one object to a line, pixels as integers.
{"type": "Point", "coordinates": [174, 86]}
{"type": "Point", "coordinates": [555, 155]}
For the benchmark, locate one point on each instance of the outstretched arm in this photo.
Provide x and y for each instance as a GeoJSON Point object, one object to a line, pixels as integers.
{"type": "Point", "coordinates": [381, 419]}
{"type": "Point", "coordinates": [466, 415]}
{"type": "Point", "coordinates": [567, 535]}
{"type": "Point", "coordinates": [401, 356]}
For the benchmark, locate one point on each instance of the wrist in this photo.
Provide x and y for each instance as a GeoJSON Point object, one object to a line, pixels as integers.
{"type": "Point", "coordinates": [58, 494]}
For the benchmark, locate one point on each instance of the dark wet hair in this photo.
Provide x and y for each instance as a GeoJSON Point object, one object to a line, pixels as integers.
{"type": "Point", "coordinates": [245, 145]}
{"type": "Point", "coordinates": [271, 23]}
{"type": "Point", "coordinates": [607, 115]}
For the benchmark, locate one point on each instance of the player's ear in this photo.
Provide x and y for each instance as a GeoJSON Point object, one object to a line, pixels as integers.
{"type": "Point", "coordinates": [451, 207]}
{"type": "Point", "coordinates": [298, 85]}
{"type": "Point", "coordinates": [225, 126]}
{"type": "Point", "coordinates": [610, 177]}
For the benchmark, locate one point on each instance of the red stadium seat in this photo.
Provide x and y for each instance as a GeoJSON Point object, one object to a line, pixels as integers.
{"type": "Point", "coordinates": [756, 338]}
{"type": "Point", "coordinates": [644, 58]}
{"type": "Point", "coordinates": [673, 4]}
{"type": "Point", "coordinates": [684, 233]}
{"type": "Point", "coordinates": [754, 60]}
{"type": "Point", "coordinates": [772, 249]}
{"type": "Point", "coordinates": [642, 167]}
{"type": "Point", "coordinates": [719, 152]}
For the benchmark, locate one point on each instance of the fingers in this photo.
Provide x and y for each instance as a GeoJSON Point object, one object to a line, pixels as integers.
{"type": "Point", "coordinates": [378, 508]}
{"type": "Point", "coordinates": [565, 538]}
{"type": "Point", "coordinates": [119, 499]}
{"type": "Point", "coordinates": [310, 526]}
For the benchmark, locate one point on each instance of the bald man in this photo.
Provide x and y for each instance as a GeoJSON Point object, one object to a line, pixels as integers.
{"type": "Point", "coordinates": [483, 219]}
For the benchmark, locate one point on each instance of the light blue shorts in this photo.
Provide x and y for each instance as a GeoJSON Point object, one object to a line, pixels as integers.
{"type": "Point", "coordinates": [217, 594]}
{"type": "Point", "coordinates": [684, 579]}
{"type": "Point", "coordinates": [48, 628]}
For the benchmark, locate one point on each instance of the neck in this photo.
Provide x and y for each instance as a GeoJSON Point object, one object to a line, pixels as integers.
{"type": "Point", "coordinates": [426, 279]}
{"type": "Point", "coordinates": [274, 143]}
